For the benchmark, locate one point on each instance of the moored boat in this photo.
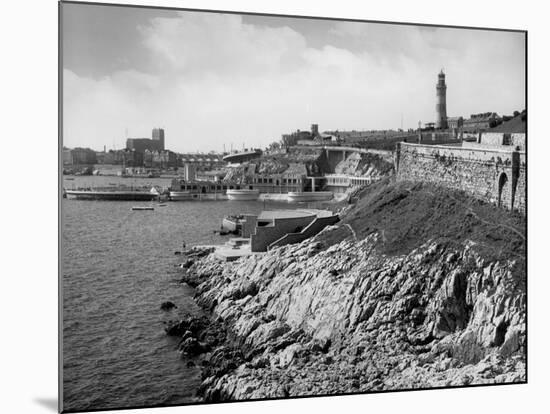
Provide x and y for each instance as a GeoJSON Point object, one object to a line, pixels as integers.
{"type": "Point", "coordinates": [232, 224]}
{"type": "Point", "coordinates": [110, 193]}
{"type": "Point", "coordinates": [305, 196]}
{"type": "Point", "coordinates": [243, 195]}
{"type": "Point", "coordinates": [182, 190]}
{"type": "Point", "coordinates": [181, 195]}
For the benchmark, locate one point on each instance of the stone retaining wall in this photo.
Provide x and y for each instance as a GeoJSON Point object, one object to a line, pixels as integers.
{"type": "Point", "coordinates": [495, 176]}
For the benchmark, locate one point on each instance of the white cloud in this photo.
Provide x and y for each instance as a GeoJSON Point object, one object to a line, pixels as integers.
{"type": "Point", "coordinates": [218, 80]}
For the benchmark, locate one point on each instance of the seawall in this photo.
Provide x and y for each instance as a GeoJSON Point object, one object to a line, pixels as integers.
{"type": "Point", "coordinates": [492, 175]}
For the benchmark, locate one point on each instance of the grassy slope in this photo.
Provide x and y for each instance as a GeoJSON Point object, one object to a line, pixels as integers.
{"type": "Point", "coordinates": [409, 214]}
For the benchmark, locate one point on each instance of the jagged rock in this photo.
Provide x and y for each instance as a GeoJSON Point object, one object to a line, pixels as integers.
{"type": "Point", "coordinates": [320, 345]}
{"type": "Point", "coordinates": [192, 347]}
{"type": "Point", "coordinates": [286, 356]}
{"type": "Point", "coordinates": [191, 323]}
{"type": "Point", "coordinates": [166, 306]}
{"type": "Point", "coordinates": [349, 318]}
{"type": "Point", "coordinates": [187, 264]}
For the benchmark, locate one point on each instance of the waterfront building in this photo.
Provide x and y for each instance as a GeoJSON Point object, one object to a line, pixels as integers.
{"type": "Point", "coordinates": [294, 178]}
{"type": "Point", "coordinates": [340, 183]}
{"type": "Point", "coordinates": [280, 227]}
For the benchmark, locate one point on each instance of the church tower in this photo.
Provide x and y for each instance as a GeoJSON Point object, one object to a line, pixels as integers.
{"type": "Point", "coordinates": [441, 102]}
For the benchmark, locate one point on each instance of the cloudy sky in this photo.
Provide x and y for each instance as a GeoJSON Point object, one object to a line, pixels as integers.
{"type": "Point", "coordinates": [212, 79]}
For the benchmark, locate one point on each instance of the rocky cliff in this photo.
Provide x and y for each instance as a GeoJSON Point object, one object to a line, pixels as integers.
{"type": "Point", "coordinates": [364, 308]}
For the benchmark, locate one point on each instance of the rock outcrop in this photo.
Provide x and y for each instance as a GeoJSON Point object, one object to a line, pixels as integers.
{"type": "Point", "coordinates": [328, 316]}
{"type": "Point", "coordinates": [348, 319]}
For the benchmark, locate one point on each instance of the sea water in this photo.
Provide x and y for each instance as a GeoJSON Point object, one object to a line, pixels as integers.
{"type": "Point", "coordinates": [117, 267]}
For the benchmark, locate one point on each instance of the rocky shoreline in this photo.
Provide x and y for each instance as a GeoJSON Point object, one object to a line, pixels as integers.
{"type": "Point", "coordinates": [322, 318]}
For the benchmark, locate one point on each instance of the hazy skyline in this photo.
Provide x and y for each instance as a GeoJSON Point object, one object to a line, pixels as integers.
{"type": "Point", "coordinates": [211, 79]}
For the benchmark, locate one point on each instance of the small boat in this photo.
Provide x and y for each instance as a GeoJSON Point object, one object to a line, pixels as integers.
{"type": "Point", "coordinates": [140, 208]}
{"type": "Point", "coordinates": [243, 195]}
{"type": "Point", "coordinates": [305, 196]}
{"type": "Point", "coordinates": [161, 205]}
{"type": "Point", "coordinates": [181, 195]}
{"type": "Point", "coordinates": [232, 224]}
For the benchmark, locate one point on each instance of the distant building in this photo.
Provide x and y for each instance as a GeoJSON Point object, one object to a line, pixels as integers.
{"type": "Point", "coordinates": [142, 144]}
{"type": "Point", "coordinates": [160, 159]}
{"type": "Point", "coordinates": [124, 157]}
{"type": "Point", "coordinates": [455, 122]}
{"type": "Point", "coordinates": [67, 157]}
{"type": "Point", "coordinates": [81, 156]}
{"type": "Point", "coordinates": [165, 159]}
{"type": "Point", "coordinates": [158, 135]}
{"type": "Point", "coordinates": [500, 140]}
{"type": "Point", "coordinates": [289, 140]}
{"type": "Point", "coordinates": [314, 130]}
{"type": "Point", "coordinates": [202, 161]}
{"type": "Point", "coordinates": [481, 122]}
{"type": "Point", "coordinates": [441, 102]}
{"type": "Point", "coordinates": [515, 124]}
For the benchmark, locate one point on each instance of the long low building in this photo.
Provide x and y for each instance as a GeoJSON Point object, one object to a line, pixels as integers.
{"type": "Point", "coordinates": [280, 227]}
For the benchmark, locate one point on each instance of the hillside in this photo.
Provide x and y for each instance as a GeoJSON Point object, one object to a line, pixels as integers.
{"type": "Point", "coordinates": [409, 214]}
{"type": "Point", "coordinates": [417, 286]}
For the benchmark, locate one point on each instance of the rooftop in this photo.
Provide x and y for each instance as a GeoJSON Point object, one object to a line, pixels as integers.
{"type": "Point", "coordinates": [515, 125]}
{"type": "Point", "coordinates": [283, 214]}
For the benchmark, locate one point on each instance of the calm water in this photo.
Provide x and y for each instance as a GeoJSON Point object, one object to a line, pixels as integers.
{"type": "Point", "coordinates": [118, 267]}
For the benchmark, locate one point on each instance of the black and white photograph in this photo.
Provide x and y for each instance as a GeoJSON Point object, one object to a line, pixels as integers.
{"type": "Point", "coordinates": [264, 206]}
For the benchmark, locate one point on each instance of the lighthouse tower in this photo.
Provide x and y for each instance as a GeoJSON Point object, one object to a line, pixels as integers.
{"type": "Point", "coordinates": [441, 102]}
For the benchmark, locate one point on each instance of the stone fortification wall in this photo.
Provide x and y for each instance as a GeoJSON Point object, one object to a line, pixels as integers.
{"type": "Point", "coordinates": [495, 140]}
{"type": "Point", "coordinates": [521, 185]}
{"type": "Point", "coordinates": [495, 176]}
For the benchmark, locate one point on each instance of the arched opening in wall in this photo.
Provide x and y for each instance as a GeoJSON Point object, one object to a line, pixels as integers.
{"type": "Point", "coordinates": [502, 180]}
